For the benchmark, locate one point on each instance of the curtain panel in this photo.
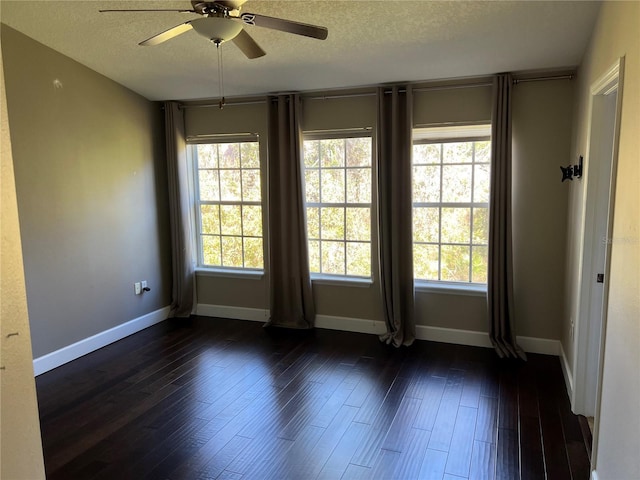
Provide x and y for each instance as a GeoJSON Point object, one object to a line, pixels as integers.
{"type": "Point", "coordinates": [500, 274]}
{"type": "Point", "coordinates": [183, 289]}
{"type": "Point", "coordinates": [394, 147]}
{"type": "Point", "coordinates": [292, 304]}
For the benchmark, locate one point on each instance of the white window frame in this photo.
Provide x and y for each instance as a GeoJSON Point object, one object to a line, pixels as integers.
{"type": "Point", "coordinates": [330, 278]}
{"type": "Point", "coordinates": [452, 134]}
{"type": "Point", "coordinates": [221, 270]}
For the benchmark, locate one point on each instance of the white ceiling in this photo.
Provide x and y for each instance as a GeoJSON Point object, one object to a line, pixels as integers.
{"type": "Point", "coordinates": [370, 42]}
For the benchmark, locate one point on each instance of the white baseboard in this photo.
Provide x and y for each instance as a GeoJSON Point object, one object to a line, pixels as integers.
{"type": "Point", "coordinates": [566, 372]}
{"type": "Point", "coordinates": [76, 350]}
{"type": "Point", "coordinates": [375, 327]}
{"type": "Point", "coordinates": [236, 313]}
{"type": "Point", "coordinates": [453, 335]}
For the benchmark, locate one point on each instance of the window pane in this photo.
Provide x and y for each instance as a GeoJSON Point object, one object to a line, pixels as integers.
{"type": "Point", "coordinates": [313, 222]}
{"type": "Point", "coordinates": [459, 152]}
{"type": "Point", "coordinates": [210, 219]}
{"type": "Point", "coordinates": [232, 251]}
{"type": "Point", "coordinates": [358, 224]}
{"type": "Point", "coordinates": [332, 152]}
{"type": "Point", "coordinates": [209, 186]}
{"type": "Point", "coordinates": [252, 221]}
{"type": "Point", "coordinates": [332, 223]}
{"type": "Point", "coordinates": [314, 256]}
{"type": "Point", "coordinates": [481, 225]}
{"type": "Point", "coordinates": [454, 263]}
{"type": "Point", "coordinates": [311, 153]}
{"type": "Point", "coordinates": [456, 224]}
{"type": "Point", "coordinates": [483, 151]}
{"type": "Point", "coordinates": [359, 259]}
{"type": "Point", "coordinates": [230, 185]}
{"type": "Point", "coordinates": [332, 185]}
{"type": "Point", "coordinates": [337, 178]}
{"type": "Point", "coordinates": [230, 217]}
{"type": "Point", "coordinates": [456, 183]}
{"type": "Point", "coordinates": [207, 156]}
{"type": "Point", "coordinates": [250, 155]}
{"type": "Point", "coordinates": [359, 152]}
{"type": "Point", "coordinates": [479, 266]}
{"type": "Point", "coordinates": [481, 183]}
{"type": "Point", "coordinates": [426, 224]}
{"type": "Point", "coordinates": [426, 153]}
{"type": "Point", "coordinates": [425, 262]}
{"type": "Point", "coordinates": [359, 185]}
{"type": "Point", "coordinates": [333, 258]}
{"type": "Point", "coordinates": [312, 185]}
{"type": "Point", "coordinates": [426, 184]}
{"type": "Point", "coordinates": [251, 186]}
{"type": "Point", "coordinates": [211, 250]}
{"type": "Point", "coordinates": [253, 253]}
{"type": "Point", "coordinates": [229, 155]}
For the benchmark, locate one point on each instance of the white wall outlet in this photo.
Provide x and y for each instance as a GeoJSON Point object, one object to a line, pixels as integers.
{"type": "Point", "coordinates": [137, 288]}
{"type": "Point", "coordinates": [144, 284]}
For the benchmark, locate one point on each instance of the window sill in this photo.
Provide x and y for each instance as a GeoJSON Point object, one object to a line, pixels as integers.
{"type": "Point", "coordinates": [451, 288]}
{"type": "Point", "coordinates": [338, 281]}
{"type": "Point", "coordinates": [230, 273]}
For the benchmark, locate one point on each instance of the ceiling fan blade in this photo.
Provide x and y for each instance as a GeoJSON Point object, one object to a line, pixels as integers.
{"type": "Point", "coordinates": [153, 10]}
{"type": "Point", "coordinates": [167, 34]}
{"type": "Point", "coordinates": [283, 25]}
{"type": "Point", "coordinates": [248, 45]}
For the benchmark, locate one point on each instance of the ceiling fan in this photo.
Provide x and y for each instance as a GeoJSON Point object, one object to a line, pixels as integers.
{"type": "Point", "coordinates": [222, 21]}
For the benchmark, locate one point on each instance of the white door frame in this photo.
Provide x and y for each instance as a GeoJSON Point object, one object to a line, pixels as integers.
{"type": "Point", "coordinates": [591, 328]}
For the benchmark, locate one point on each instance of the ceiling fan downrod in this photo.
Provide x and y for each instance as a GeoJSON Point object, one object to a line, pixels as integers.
{"type": "Point", "coordinates": [221, 102]}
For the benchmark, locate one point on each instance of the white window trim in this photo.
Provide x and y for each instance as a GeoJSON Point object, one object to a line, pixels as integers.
{"type": "Point", "coordinates": [194, 190]}
{"type": "Point", "coordinates": [341, 280]}
{"type": "Point", "coordinates": [451, 134]}
{"type": "Point", "coordinates": [336, 279]}
{"type": "Point", "coordinates": [451, 288]}
{"type": "Point", "coordinates": [230, 272]}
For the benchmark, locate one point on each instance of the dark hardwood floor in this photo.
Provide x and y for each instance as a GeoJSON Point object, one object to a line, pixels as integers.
{"type": "Point", "coordinates": [225, 399]}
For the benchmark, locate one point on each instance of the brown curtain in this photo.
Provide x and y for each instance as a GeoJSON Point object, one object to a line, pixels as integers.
{"type": "Point", "coordinates": [290, 286]}
{"type": "Point", "coordinates": [394, 145]}
{"type": "Point", "coordinates": [182, 302]}
{"type": "Point", "coordinates": [500, 276]}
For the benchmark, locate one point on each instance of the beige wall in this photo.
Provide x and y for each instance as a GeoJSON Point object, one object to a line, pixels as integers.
{"type": "Point", "coordinates": [542, 114]}
{"type": "Point", "coordinates": [618, 430]}
{"type": "Point", "coordinates": [92, 196]}
{"type": "Point", "coordinates": [542, 133]}
{"type": "Point", "coordinates": [20, 445]}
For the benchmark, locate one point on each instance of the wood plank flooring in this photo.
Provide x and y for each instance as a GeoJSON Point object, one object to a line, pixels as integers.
{"type": "Point", "coordinates": [225, 399]}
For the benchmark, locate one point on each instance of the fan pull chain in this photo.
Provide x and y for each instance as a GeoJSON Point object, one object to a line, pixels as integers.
{"type": "Point", "coordinates": [220, 75]}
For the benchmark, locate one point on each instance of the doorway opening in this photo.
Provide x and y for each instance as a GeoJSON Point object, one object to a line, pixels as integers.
{"type": "Point", "coordinates": [601, 166]}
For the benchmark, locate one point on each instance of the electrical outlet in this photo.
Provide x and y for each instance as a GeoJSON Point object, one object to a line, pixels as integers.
{"type": "Point", "coordinates": [144, 284]}
{"type": "Point", "coordinates": [137, 288]}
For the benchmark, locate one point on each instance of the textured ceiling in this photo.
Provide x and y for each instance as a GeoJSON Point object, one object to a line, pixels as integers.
{"type": "Point", "coordinates": [370, 42]}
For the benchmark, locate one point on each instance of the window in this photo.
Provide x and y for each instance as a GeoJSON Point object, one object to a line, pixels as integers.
{"type": "Point", "coordinates": [337, 176]}
{"type": "Point", "coordinates": [450, 203]}
{"type": "Point", "coordinates": [228, 205]}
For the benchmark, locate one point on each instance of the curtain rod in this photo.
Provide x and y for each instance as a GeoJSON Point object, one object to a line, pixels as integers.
{"type": "Point", "coordinates": [516, 81]}
{"type": "Point", "coordinates": [227, 104]}
{"type": "Point", "coordinates": [544, 79]}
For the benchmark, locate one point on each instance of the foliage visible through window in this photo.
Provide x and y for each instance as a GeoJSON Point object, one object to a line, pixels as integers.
{"type": "Point", "coordinates": [338, 205]}
{"type": "Point", "coordinates": [450, 210]}
{"type": "Point", "coordinates": [229, 205]}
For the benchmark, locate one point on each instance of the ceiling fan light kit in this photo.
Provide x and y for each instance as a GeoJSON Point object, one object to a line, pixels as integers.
{"type": "Point", "coordinates": [217, 29]}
